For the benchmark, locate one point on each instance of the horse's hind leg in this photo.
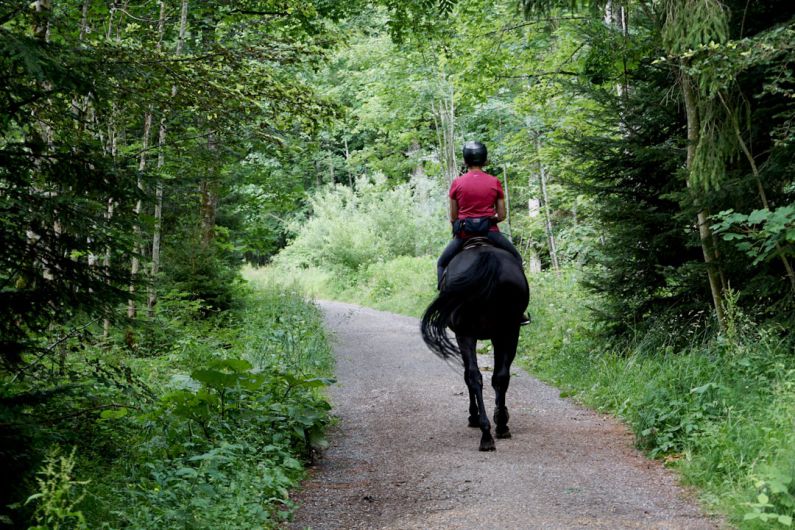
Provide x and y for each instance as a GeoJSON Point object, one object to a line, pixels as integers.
{"type": "Point", "coordinates": [474, 382]}
{"type": "Point", "coordinates": [504, 353]}
{"type": "Point", "coordinates": [474, 411]}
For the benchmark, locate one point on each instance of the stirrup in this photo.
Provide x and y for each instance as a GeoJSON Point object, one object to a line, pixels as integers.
{"type": "Point", "coordinates": [524, 320]}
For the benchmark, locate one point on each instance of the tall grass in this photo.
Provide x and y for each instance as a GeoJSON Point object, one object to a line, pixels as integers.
{"type": "Point", "coordinates": [720, 410]}
{"type": "Point", "coordinates": [404, 285]}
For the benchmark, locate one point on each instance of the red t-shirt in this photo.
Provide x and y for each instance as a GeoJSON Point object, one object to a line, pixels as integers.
{"type": "Point", "coordinates": [476, 193]}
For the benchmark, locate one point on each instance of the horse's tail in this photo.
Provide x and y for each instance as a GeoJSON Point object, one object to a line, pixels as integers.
{"type": "Point", "coordinates": [476, 283]}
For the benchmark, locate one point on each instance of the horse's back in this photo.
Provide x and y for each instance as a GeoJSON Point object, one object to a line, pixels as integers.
{"type": "Point", "coordinates": [508, 272]}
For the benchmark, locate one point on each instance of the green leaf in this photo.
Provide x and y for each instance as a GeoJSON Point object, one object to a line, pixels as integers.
{"type": "Point", "coordinates": [214, 378]}
{"type": "Point", "coordinates": [186, 472]}
{"type": "Point", "coordinates": [113, 414]}
{"type": "Point", "coordinates": [232, 365]}
{"type": "Point", "coordinates": [758, 216]}
{"type": "Point", "coordinates": [703, 388]}
{"type": "Point", "coordinates": [316, 382]}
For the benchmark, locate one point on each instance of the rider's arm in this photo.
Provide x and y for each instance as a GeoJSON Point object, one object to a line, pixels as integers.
{"type": "Point", "coordinates": [453, 210]}
{"type": "Point", "coordinates": [500, 207]}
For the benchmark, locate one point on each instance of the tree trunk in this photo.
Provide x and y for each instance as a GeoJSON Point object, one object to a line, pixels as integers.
{"type": "Point", "coordinates": [331, 174]}
{"type": "Point", "coordinates": [161, 142]}
{"type": "Point", "coordinates": [542, 177]}
{"type": "Point", "coordinates": [348, 163]}
{"type": "Point", "coordinates": [138, 250]}
{"type": "Point", "coordinates": [533, 261]}
{"type": "Point", "coordinates": [41, 137]}
{"type": "Point", "coordinates": [704, 231]}
{"type": "Point", "coordinates": [444, 118]}
{"type": "Point", "coordinates": [616, 17]}
{"type": "Point", "coordinates": [113, 143]}
{"type": "Point", "coordinates": [412, 153]}
{"type": "Point", "coordinates": [41, 19]}
{"type": "Point", "coordinates": [507, 203]}
{"type": "Point", "coordinates": [759, 187]}
{"type": "Point", "coordinates": [209, 185]}
{"type": "Point", "coordinates": [553, 250]}
{"type": "Point", "coordinates": [208, 190]}
{"type": "Point", "coordinates": [84, 20]}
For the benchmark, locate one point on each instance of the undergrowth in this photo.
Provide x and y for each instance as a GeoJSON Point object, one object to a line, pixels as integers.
{"type": "Point", "coordinates": [404, 285]}
{"type": "Point", "coordinates": [718, 409]}
{"type": "Point", "coordinates": [206, 422]}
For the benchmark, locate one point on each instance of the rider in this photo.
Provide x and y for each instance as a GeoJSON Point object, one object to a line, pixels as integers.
{"type": "Point", "coordinates": [477, 204]}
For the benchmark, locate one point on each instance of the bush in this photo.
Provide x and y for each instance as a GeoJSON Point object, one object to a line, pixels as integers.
{"type": "Point", "coordinates": [208, 429]}
{"type": "Point", "coordinates": [349, 230]}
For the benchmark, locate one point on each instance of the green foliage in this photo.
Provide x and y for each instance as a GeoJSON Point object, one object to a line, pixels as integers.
{"type": "Point", "coordinates": [352, 229]}
{"type": "Point", "coordinates": [775, 502]}
{"type": "Point", "coordinates": [762, 234]}
{"type": "Point", "coordinates": [58, 494]}
{"type": "Point", "coordinates": [105, 108]}
{"type": "Point", "coordinates": [208, 428]}
{"type": "Point", "coordinates": [718, 409]}
{"type": "Point", "coordinates": [255, 427]}
{"type": "Point", "coordinates": [55, 181]}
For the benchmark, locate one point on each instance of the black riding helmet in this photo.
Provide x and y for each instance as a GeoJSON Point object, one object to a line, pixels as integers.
{"type": "Point", "coordinates": [475, 154]}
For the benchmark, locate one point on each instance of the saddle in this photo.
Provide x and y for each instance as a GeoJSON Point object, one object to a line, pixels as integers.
{"type": "Point", "coordinates": [476, 242]}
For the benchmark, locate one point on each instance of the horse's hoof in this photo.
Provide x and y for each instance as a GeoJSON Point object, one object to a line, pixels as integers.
{"type": "Point", "coordinates": [503, 434]}
{"type": "Point", "coordinates": [474, 421]}
{"type": "Point", "coordinates": [487, 443]}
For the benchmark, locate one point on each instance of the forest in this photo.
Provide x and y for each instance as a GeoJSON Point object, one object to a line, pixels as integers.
{"type": "Point", "coordinates": [179, 180]}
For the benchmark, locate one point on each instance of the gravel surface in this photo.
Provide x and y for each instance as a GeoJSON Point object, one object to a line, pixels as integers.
{"type": "Point", "coordinates": [402, 456]}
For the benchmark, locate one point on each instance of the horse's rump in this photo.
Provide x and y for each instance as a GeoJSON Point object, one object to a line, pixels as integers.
{"type": "Point", "coordinates": [484, 291]}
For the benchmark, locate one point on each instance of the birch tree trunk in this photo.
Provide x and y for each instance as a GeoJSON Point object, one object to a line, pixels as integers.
{"type": "Point", "coordinates": [161, 142]}
{"type": "Point", "coordinates": [348, 162]}
{"type": "Point", "coordinates": [444, 119]}
{"type": "Point", "coordinates": [507, 203]}
{"type": "Point", "coordinates": [542, 178]}
{"type": "Point", "coordinates": [533, 260]}
{"type": "Point", "coordinates": [138, 250]}
{"type": "Point", "coordinates": [616, 17]}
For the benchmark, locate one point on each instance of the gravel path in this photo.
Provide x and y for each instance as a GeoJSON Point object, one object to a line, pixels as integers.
{"type": "Point", "coordinates": [402, 456]}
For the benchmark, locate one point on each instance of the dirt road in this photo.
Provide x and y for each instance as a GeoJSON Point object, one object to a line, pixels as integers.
{"type": "Point", "coordinates": [402, 456]}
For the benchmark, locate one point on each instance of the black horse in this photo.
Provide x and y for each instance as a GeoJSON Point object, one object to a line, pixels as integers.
{"type": "Point", "coordinates": [483, 296]}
